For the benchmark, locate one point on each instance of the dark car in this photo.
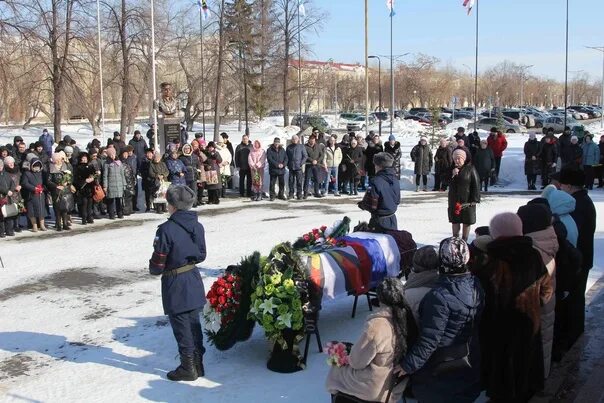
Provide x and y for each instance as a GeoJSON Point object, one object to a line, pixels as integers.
{"type": "Point", "coordinates": [381, 115]}
{"type": "Point", "coordinates": [311, 121]}
{"type": "Point", "coordinates": [415, 111]}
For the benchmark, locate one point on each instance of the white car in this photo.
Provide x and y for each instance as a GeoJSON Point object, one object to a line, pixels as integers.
{"type": "Point", "coordinates": [578, 115]}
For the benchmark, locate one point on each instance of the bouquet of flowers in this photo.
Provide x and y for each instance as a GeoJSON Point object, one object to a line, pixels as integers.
{"type": "Point", "coordinates": [67, 178]}
{"type": "Point", "coordinates": [458, 208]}
{"type": "Point", "coordinates": [324, 236]}
{"type": "Point", "coordinates": [223, 301]}
{"type": "Point", "coordinates": [338, 353]}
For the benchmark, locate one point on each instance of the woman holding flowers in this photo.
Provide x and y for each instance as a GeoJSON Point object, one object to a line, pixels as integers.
{"type": "Point", "coordinates": [257, 161]}
{"type": "Point", "coordinates": [464, 194]}
{"type": "Point", "coordinates": [59, 183]}
{"type": "Point", "coordinates": [382, 345]}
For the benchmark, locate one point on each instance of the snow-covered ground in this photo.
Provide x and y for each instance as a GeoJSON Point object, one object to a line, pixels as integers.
{"type": "Point", "coordinates": [81, 319]}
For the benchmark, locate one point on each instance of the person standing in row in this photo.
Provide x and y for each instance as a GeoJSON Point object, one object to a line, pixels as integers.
{"type": "Point", "coordinates": [33, 194]}
{"type": "Point", "coordinates": [443, 163]}
{"type": "Point", "coordinates": [498, 143]}
{"type": "Point", "coordinates": [532, 148]}
{"type": "Point", "coordinates": [548, 157]}
{"type": "Point", "coordinates": [484, 161]}
{"type": "Point", "coordinates": [212, 170]}
{"type": "Point", "coordinates": [393, 148]}
{"type": "Point", "coordinates": [277, 161]}
{"type": "Point", "coordinates": [114, 182]}
{"type": "Point", "coordinates": [314, 166]}
{"type": "Point", "coordinates": [591, 157]}
{"type": "Point", "coordinates": [178, 246]}
{"type": "Point", "coordinates": [242, 152]}
{"type": "Point", "coordinates": [333, 159]}
{"type": "Point", "coordinates": [296, 158]}
{"type": "Point", "coordinates": [421, 155]}
{"type": "Point", "coordinates": [374, 146]}
{"type": "Point", "coordinates": [257, 161]}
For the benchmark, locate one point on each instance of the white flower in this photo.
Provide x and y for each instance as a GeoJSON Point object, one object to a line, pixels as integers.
{"type": "Point", "coordinates": [267, 306]}
{"type": "Point", "coordinates": [67, 171]}
{"type": "Point", "coordinates": [285, 319]}
{"type": "Point", "coordinates": [213, 319]}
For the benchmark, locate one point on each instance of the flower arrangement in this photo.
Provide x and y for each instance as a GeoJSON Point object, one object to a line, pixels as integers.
{"type": "Point", "coordinates": [276, 302]}
{"type": "Point", "coordinates": [228, 304]}
{"type": "Point", "coordinates": [458, 208]}
{"type": "Point", "coordinates": [338, 353]}
{"type": "Point", "coordinates": [223, 300]}
{"type": "Point", "coordinates": [66, 178]}
{"type": "Point", "coordinates": [324, 236]}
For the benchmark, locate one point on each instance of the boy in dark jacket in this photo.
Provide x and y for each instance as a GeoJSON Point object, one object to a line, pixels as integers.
{"type": "Point", "coordinates": [178, 246]}
{"type": "Point", "coordinates": [384, 194]}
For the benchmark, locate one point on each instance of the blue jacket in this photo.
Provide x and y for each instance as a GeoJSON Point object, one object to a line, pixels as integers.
{"type": "Point", "coordinates": [176, 167]}
{"type": "Point", "coordinates": [275, 157]}
{"type": "Point", "coordinates": [384, 193]}
{"type": "Point", "coordinates": [47, 141]}
{"type": "Point", "coordinates": [296, 156]}
{"type": "Point", "coordinates": [562, 204]}
{"type": "Point", "coordinates": [448, 316]}
{"type": "Point", "coordinates": [178, 242]}
{"type": "Point", "coordinates": [591, 153]}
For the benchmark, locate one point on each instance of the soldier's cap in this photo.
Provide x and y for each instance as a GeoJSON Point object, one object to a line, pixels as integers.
{"type": "Point", "coordinates": [180, 197]}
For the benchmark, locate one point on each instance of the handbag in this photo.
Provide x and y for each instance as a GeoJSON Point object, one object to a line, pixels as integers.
{"type": "Point", "coordinates": [9, 210]}
{"type": "Point", "coordinates": [66, 202]}
{"type": "Point", "coordinates": [160, 196]}
{"type": "Point", "coordinates": [457, 357]}
{"type": "Point", "coordinates": [98, 194]}
{"type": "Point", "coordinates": [212, 177]}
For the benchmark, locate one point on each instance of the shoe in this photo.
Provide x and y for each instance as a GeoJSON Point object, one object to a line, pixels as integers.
{"type": "Point", "coordinates": [417, 188]}
{"type": "Point", "coordinates": [17, 230]}
{"type": "Point", "coordinates": [2, 236]}
{"type": "Point", "coordinates": [11, 233]}
{"type": "Point", "coordinates": [34, 228]}
{"type": "Point", "coordinates": [135, 209]}
{"type": "Point", "coordinates": [290, 196]}
{"type": "Point", "coordinates": [120, 216]}
{"type": "Point", "coordinates": [66, 227]}
{"type": "Point", "coordinates": [84, 222]}
{"type": "Point", "coordinates": [90, 221]}
{"type": "Point", "coordinates": [186, 371]}
{"type": "Point", "coordinates": [336, 194]}
{"type": "Point", "coordinates": [281, 197]}
{"type": "Point", "coordinates": [198, 357]}
{"type": "Point", "coordinates": [305, 196]}
{"type": "Point", "coordinates": [425, 188]}
{"type": "Point", "coordinates": [355, 193]}
{"type": "Point", "coordinates": [59, 229]}
{"type": "Point", "coordinates": [147, 210]}
{"type": "Point", "coordinates": [299, 197]}
{"type": "Point", "coordinates": [272, 198]}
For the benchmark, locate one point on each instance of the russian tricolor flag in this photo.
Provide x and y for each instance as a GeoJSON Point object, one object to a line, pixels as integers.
{"type": "Point", "coordinates": [468, 4]}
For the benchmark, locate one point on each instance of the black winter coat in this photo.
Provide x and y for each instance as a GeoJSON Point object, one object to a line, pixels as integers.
{"type": "Point", "coordinates": [6, 184]}
{"type": "Point", "coordinates": [178, 242]}
{"type": "Point", "coordinates": [474, 144]}
{"type": "Point", "coordinates": [484, 162]}
{"type": "Point", "coordinates": [352, 163]}
{"type": "Point", "coordinates": [532, 148]}
{"type": "Point", "coordinates": [571, 155]}
{"type": "Point", "coordinates": [443, 161]}
{"type": "Point", "coordinates": [422, 156]}
{"type": "Point", "coordinates": [139, 150]}
{"type": "Point", "coordinates": [83, 172]}
{"type": "Point", "coordinates": [276, 156]}
{"type": "Point", "coordinates": [242, 152]}
{"type": "Point", "coordinates": [510, 335]}
{"type": "Point", "coordinates": [548, 154]}
{"type": "Point", "coordinates": [191, 163]}
{"type": "Point", "coordinates": [370, 151]}
{"type": "Point", "coordinates": [395, 151]}
{"type": "Point", "coordinates": [585, 218]}
{"type": "Point", "coordinates": [464, 188]}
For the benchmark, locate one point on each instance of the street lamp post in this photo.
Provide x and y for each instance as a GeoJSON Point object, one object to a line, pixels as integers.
{"type": "Point", "coordinates": [522, 69]}
{"type": "Point", "coordinates": [601, 49]}
{"type": "Point", "coordinates": [379, 92]}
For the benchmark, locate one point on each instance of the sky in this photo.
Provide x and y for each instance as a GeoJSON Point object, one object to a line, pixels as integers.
{"type": "Point", "coordinates": [529, 32]}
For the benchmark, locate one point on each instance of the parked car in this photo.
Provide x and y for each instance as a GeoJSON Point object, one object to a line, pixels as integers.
{"type": "Point", "coordinates": [519, 116]}
{"type": "Point", "coordinates": [461, 114]}
{"type": "Point", "coordinates": [422, 121]}
{"type": "Point", "coordinates": [381, 115]}
{"type": "Point", "coordinates": [415, 111]}
{"type": "Point", "coordinates": [584, 109]}
{"type": "Point", "coordinates": [578, 114]}
{"type": "Point", "coordinates": [358, 124]}
{"type": "Point", "coordinates": [488, 123]}
{"type": "Point", "coordinates": [276, 113]}
{"type": "Point", "coordinates": [538, 117]}
{"type": "Point", "coordinates": [557, 123]}
{"type": "Point", "coordinates": [311, 121]}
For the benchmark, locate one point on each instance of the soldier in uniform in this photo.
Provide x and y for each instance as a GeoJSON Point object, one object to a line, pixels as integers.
{"type": "Point", "coordinates": [178, 246]}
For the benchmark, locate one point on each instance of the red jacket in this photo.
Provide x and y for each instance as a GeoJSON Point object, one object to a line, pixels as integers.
{"type": "Point", "coordinates": [498, 144]}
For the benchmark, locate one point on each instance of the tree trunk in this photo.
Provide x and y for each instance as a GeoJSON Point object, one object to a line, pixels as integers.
{"type": "Point", "coordinates": [286, 35]}
{"type": "Point", "coordinates": [124, 110]}
{"type": "Point", "coordinates": [221, 38]}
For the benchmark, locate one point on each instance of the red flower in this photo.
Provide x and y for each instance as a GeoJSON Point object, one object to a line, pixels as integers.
{"type": "Point", "coordinates": [220, 291]}
{"type": "Point", "coordinates": [306, 237]}
{"type": "Point", "coordinates": [315, 231]}
{"type": "Point", "coordinates": [222, 300]}
{"type": "Point", "coordinates": [229, 294]}
{"type": "Point", "coordinates": [230, 278]}
{"type": "Point", "coordinates": [458, 207]}
{"type": "Point", "coordinates": [323, 228]}
{"type": "Point", "coordinates": [228, 286]}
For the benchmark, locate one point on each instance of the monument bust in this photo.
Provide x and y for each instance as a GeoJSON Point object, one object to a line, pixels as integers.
{"type": "Point", "coordinates": [167, 103]}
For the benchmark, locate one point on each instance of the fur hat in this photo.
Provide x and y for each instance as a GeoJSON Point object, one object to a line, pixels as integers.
{"type": "Point", "coordinates": [68, 150]}
{"type": "Point", "coordinates": [453, 254]}
{"type": "Point", "coordinates": [425, 259]}
{"type": "Point", "coordinates": [211, 144]}
{"type": "Point", "coordinates": [505, 225]}
{"type": "Point", "coordinates": [461, 153]}
{"type": "Point", "coordinates": [573, 177]}
{"type": "Point", "coordinates": [180, 197]}
{"type": "Point", "coordinates": [535, 217]}
{"type": "Point", "coordinates": [383, 160]}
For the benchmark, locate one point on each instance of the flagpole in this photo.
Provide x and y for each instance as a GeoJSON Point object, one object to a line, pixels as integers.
{"type": "Point", "coordinates": [391, 74]}
{"type": "Point", "coordinates": [203, 92]}
{"type": "Point", "coordinates": [153, 80]}
{"type": "Point", "coordinates": [476, 74]}
{"type": "Point", "coordinates": [366, 68]}
{"type": "Point", "coordinates": [566, 71]}
{"type": "Point", "coordinates": [98, 27]}
{"type": "Point", "coordinates": [299, 70]}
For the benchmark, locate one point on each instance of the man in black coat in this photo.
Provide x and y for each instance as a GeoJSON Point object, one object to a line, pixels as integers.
{"type": "Point", "coordinates": [548, 155]}
{"type": "Point", "coordinates": [384, 194]}
{"type": "Point", "coordinates": [242, 152]}
{"type": "Point", "coordinates": [277, 161]}
{"type": "Point", "coordinates": [572, 182]}
{"type": "Point", "coordinates": [461, 135]}
{"type": "Point", "coordinates": [178, 246]}
{"type": "Point", "coordinates": [443, 165]}
{"type": "Point", "coordinates": [139, 145]}
{"type": "Point", "coordinates": [314, 166]}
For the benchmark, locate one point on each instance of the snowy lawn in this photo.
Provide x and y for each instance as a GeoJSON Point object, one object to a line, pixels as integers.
{"type": "Point", "coordinates": [82, 319]}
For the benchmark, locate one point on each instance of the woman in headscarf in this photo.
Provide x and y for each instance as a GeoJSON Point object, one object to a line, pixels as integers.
{"type": "Point", "coordinates": [83, 180]}
{"type": "Point", "coordinates": [198, 146]}
{"type": "Point", "coordinates": [257, 161]}
{"type": "Point", "coordinates": [464, 194]}
{"type": "Point", "coordinates": [443, 362]}
{"type": "Point", "coordinates": [158, 172]}
{"type": "Point", "coordinates": [130, 184]}
{"type": "Point", "coordinates": [383, 343]}
{"type": "Point", "coordinates": [33, 193]}
{"type": "Point", "coordinates": [191, 163]}
{"type": "Point", "coordinates": [212, 169]}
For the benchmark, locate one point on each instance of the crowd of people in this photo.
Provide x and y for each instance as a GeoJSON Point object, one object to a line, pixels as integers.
{"type": "Point", "coordinates": [488, 316]}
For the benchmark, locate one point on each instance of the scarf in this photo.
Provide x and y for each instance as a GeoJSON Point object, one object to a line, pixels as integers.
{"type": "Point", "coordinates": [423, 279]}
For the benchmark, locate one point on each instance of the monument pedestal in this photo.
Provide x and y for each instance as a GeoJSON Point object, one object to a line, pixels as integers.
{"type": "Point", "coordinates": [169, 130]}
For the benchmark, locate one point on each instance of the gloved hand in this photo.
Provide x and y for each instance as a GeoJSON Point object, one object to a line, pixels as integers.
{"type": "Point", "coordinates": [553, 165]}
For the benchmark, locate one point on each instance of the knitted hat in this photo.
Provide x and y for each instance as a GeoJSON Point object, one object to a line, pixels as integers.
{"type": "Point", "coordinates": [505, 225]}
{"type": "Point", "coordinates": [453, 254]}
{"type": "Point", "coordinates": [68, 150]}
{"type": "Point", "coordinates": [391, 137]}
{"type": "Point", "coordinates": [423, 138]}
{"type": "Point", "coordinates": [535, 217]}
{"type": "Point", "coordinates": [425, 259]}
{"type": "Point", "coordinates": [180, 197]}
{"type": "Point", "coordinates": [277, 140]}
{"type": "Point", "coordinates": [460, 153]}
{"type": "Point", "coordinates": [383, 160]}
